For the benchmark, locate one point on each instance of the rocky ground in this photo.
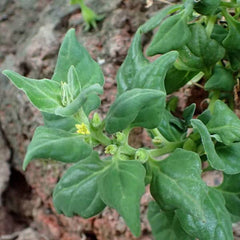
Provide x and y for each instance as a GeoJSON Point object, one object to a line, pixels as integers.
{"type": "Point", "coordinates": [31, 32]}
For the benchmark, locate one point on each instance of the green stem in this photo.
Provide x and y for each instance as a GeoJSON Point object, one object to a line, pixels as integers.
{"type": "Point", "coordinates": [229, 5]}
{"type": "Point", "coordinates": [210, 24]}
{"type": "Point", "coordinates": [156, 133]}
{"type": "Point", "coordinates": [101, 138]}
{"type": "Point", "coordinates": [214, 98]}
{"type": "Point", "coordinates": [170, 147]}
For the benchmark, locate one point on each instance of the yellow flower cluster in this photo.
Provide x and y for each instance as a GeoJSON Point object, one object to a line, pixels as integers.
{"type": "Point", "coordinates": [82, 129]}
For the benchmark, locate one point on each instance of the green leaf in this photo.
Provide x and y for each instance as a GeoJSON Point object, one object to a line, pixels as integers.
{"type": "Point", "coordinates": [230, 154]}
{"type": "Point", "coordinates": [234, 58]}
{"type": "Point", "coordinates": [121, 187]}
{"type": "Point", "coordinates": [176, 79]}
{"type": "Point", "coordinates": [56, 144]}
{"type": "Point", "coordinates": [217, 222]}
{"type": "Point", "coordinates": [154, 21]}
{"type": "Point", "coordinates": [141, 107]}
{"type": "Point", "coordinates": [55, 121]}
{"type": "Point", "coordinates": [79, 102]}
{"type": "Point", "coordinates": [177, 185]}
{"type": "Point", "coordinates": [188, 113]}
{"type": "Point", "coordinates": [206, 7]}
{"type": "Point", "coordinates": [230, 190]}
{"type": "Point", "coordinates": [165, 225]}
{"type": "Point", "coordinates": [227, 164]}
{"type": "Point", "coordinates": [233, 38]}
{"type": "Point", "coordinates": [222, 79]}
{"type": "Point", "coordinates": [169, 35]}
{"type": "Point", "coordinates": [200, 53]}
{"type": "Point", "coordinates": [75, 64]}
{"type": "Point", "coordinates": [72, 53]}
{"type": "Point", "coordinates": [44, 94]}
{"type": "Point", "coordinates": [226, 125]}
{"type": "Point", "coordinates": [168, 128]}
{"type": "Point", "coordinates": [77, 191]}
{"type": "Point", "coordinates": [219, 33]}
{"type": "Point", "coordinates": [138, 72]}
{"type": "Point", "coordinates": [74, 82]}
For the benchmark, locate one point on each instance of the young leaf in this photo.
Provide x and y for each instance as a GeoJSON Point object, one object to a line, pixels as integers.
{"type": "Point", "coordinates": [75, 64]}
{"type": "Point", "coordinates": [168, 128]}
{"type": "Point", "coordinates": [200, 53]}
{"type": "Point", "coordinates": [138, 72]}
{"type": "Point", "coordinates": [230, 190]}
{"type": "Point", "coordinates": [217, 222]}
{"type": "Point", "coordinates": [226, 125]}
{"type": "Point", "coordinates": [142, 105]}
{"type": "Point", "coordinates": [165, 225]}
{"type": "Point", "coordinates": [206, 7]}
{"type": "Point", "coordinates": [228, 164]}
{"type": "Point", "coordinates": [56, 144]}
{"type": "Point", "coordinates": [188, 113]}
{"type": "Point", "coordinates": [233, 38]}
{"type": "Point", "coordinates": [222, 79]}
{"type": "Point", "coordinates": [72, 53]}
{"type": "Point", "coordinates": [121, 187]}
{"type": "Point", "coordinates": [77, 191]}
{"type": "Point", "coordinates": [80, 101]}
{"type": "Point", "coordinates": [170, 35]}
{"type": "Point", "coordinates": [44, 94]}
{"type": "Point", "coordinates": [74, 82]}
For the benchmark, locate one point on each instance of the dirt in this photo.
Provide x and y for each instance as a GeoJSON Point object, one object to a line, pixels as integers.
{"type": "Point", "coordinates": [31, 32]}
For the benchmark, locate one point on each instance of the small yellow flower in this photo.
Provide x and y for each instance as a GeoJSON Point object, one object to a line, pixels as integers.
{"type": "Point", "coordinates": [82, 129]}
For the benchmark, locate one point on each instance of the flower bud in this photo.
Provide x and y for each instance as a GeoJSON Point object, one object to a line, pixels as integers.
{"type": "Point", "coordinates": [142, 155]}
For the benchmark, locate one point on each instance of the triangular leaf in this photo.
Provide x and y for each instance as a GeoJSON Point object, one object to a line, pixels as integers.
{"type": "Point", "coordinates": [169, 35]}
{"type": "Point", "coordinates": [138, 72]}
{"type": "Point", "coordinates": [77, 191]}
{"type": "Point", "coordinates": [61, 146]}
{"type": "Point", "coordinates": [72, 53]}
{"type": "Point", "coordinates": [44, 94]}
{"type": "Point", "coordinates": [121, 187]}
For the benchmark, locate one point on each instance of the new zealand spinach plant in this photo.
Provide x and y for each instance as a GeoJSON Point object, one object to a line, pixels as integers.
{"type": "Point", "coordinates": [197, 40]}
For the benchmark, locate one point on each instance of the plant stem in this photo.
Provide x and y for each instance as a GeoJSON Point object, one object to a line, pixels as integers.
{"type": "Point", "coordinates": [166, 149]}
{"type": "Point", "coordinates": [214, 98]}
{"type": "Point", "coordinates": [101, 138]}
{"type": "Point", "coordinates": [229, 5]}
{"type": "Point", "coordinates": [156, 133]}
{"type": "Point", "coordinates": [210, 24]}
